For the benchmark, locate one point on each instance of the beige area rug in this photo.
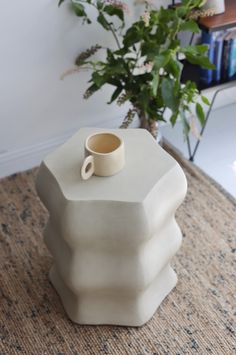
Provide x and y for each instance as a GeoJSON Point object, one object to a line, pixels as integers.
{"type": "Point", "coordinates": [198, 317]}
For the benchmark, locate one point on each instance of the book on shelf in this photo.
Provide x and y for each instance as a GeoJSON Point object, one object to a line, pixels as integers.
{"type": "Point", "coordinates": [222, 53]}
{"type": "Point", "coordinates": [232, 56]}
{"type": "Point", "coordinates": [206, 75]}
{"type": "Point", "coordinates": [226, 56]}
{"type": "Point", "coordinates": [218, 53]}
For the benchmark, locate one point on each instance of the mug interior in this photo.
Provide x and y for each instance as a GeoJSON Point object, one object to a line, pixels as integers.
{"type": "Point", "coordinates": [103, 143]}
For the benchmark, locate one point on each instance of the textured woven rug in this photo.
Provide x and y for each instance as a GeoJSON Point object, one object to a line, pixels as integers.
{"type": "Point", "coordinates": [198, 317]}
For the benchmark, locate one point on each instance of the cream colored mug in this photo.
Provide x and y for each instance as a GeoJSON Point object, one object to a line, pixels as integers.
{"type": "Point", "coordinates": [105, 155]}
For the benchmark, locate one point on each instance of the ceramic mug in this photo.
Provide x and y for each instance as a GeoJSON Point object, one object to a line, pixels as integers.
{"type": "Point", "coordinates": [105, 155]}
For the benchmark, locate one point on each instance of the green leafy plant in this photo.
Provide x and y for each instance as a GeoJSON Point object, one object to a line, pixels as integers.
{"type": "Point", "coordinates": [145, 68]}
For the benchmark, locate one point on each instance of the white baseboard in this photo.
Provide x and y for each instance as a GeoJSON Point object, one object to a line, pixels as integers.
{"type": "Point", "coordinates": [30, 156]}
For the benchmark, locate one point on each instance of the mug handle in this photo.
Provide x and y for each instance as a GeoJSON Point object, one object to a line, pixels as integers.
{"type": "Point", "coordinates": [87, 169]}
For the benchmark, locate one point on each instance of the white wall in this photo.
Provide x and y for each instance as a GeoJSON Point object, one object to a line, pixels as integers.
{"type": "Point", "coordinates": [38, 111]}
{"type": "Point", "coordinates": [38, 42]}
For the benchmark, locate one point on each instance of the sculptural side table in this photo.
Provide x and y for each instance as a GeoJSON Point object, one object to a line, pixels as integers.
{"type": "Point", "coordinates": [112, 238]}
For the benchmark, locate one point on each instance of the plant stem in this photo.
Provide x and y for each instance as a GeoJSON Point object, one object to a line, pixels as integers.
{"type": "Point", "coordinates": [114, 34]}
{"type": "Point", "coordinates": [148, 124]}
{"type": "Point", "coordinates": [110, 26]}
{"type": "Point", "coordinates": [138, 52]}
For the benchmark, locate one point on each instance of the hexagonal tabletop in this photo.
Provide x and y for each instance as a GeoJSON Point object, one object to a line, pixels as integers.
{"type": "Point", "coordinates": [146, 164]}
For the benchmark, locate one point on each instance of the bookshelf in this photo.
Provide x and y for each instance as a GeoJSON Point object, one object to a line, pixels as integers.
{"type": "Point", "coordinates": [219, 22]}
{"type": "Point", "coordinates": [211, 24]}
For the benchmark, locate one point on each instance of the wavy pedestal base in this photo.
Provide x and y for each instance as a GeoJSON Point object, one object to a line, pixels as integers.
{"type": "Point", "coordinates": [114, 306]}
{"type": "Point", "coordinates": [112, 238]}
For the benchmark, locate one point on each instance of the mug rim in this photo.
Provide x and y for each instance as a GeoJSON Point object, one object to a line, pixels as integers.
{"type": "Point", "coordinates": [99, 133]}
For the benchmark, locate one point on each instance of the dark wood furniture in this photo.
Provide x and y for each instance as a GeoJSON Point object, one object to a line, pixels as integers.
{"type": "Point", "coordinates": [222, 21]}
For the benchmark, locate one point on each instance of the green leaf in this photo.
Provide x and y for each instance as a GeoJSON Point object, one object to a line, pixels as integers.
{"type": "Point", "coordinates": [150, 49]}
{"type": "Point", "coordinates": [98, 79]}
{"type": "Point", "coordinates": [193, 3]}
{"type": "Point", "coordinates": [168, 93]}
{"type": "Point", "coordinates": [60, 2]}
{"type": "Point", "coordinates": [114, 11]}
{"type": "Point", "coordinates": [102, 20]}
{"type": "Point", "coordinates": [200, 113]}
{"type": "Point", "coordinates": [185, 2]}
{"type": "Point", "coordinates": [155, 114]}
{"type": "Point", "coordinates": [78, 9]}
{"type": "Point", "coordinates": [115, 94]}
{"type": "Point", "coordinates": [173, 118]}
{"type": "Point", "coordinates": [204, 62]}
{"type": "Point", "coordinates": [160, 117]}
{"type": "Point", "coordinates": [201, 48]}
{"type": "Point", "coordinates": [175, 68]}
{"type": "Point", "coordinates": [195, 55]}
{"type": "Point", "coordinates": [185, 124]}
{"type": "Point", "coordinates": [161, 60]}
{"type": "Point", "coordinates": [181, 11]}
{"type": "Point", "coordinates": [143, 98]}
{"type": "Point", "coordinates": [205, 100]}
{"type": "Point", "coordinates": [91, 90]}
{"type": "Point", "coordinates": [122, 51]}
{"type": "Point", "coordinates": [100, 4]}
{"type": "Point", "coordinates": [155, 82]}
{"type": "Point", "coordinates": [197, 49]}
{"type": "Point", "coordinates": [190, 25]}
{"type": "Point", "coordinates": [114, 82]}
{"type": "Point", "coordinates": [131, 37]}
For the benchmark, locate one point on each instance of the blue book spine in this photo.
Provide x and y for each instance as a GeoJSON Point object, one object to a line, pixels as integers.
{"type": "Point", "coordinates": [218, 52]}
{"type": "Point", "coordinates": [206, 75]}
{"type": "Point", "coordinates": [232, 58]}
{"type": "Point", "coordinates": [225, 64]}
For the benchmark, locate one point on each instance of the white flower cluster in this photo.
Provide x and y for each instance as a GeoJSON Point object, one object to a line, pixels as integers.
{"type": "Point", "coordinates": [119, 5]}
{"type": "Point", "coordinates": [143, 69]}
{"type": "Point", "coordinates": [146, 18]}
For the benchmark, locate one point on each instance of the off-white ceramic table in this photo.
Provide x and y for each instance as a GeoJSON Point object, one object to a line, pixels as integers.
{"type": "Point", "coordinates": [112, 238]}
